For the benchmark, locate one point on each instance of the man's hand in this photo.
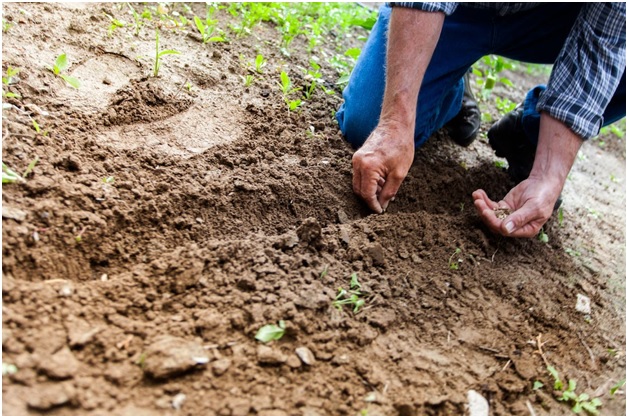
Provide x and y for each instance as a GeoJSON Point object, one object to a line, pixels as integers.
{"type": "Point", "coordinates": [531, 204]}
{"type": "Point", "coordinates": [381, 164]}
{"type": "Point", "coordinates": [532, 200]}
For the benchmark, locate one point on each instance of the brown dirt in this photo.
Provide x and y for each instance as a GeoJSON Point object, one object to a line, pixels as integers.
{"type": "Point", "coordinates": [227, 213]}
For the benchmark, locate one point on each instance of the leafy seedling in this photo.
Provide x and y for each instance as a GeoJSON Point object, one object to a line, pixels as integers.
{"type": "Point", "coordinates": [248, 80]}
{"type": "Point", "coordinates": [206, 30]}
{"type": "Point", "coordinates": [617, 387]}
{"type": "Point", "coordinates": [8, 80]}
{"type": "Point", "coordinates": [350, 297]}
{"type": "Point", "coordinates": [60, 65]}
{"type": "Point", "coordinates": [115, 24]}
{"type": "Point", "coordinates": [454, 264]}
{"type": "Point", "coordinates": [580, 402]}
{"type": "Point", "coordinates": [6, 25]}
{"type": "Point", "coordinates": [260, 63]}
{"type": "Point", "coordinates": [271, 332]}
{"type": "Point", "coordinates": [537, 385]}
{"type": "Point", "coordinates": [10, 176]}
{"type": "Point", "coordinates": [542, 236]}
{"type": "Point", "coordinates": [159, 54]}
{"type": "Point", "coordinates": [30, 167]}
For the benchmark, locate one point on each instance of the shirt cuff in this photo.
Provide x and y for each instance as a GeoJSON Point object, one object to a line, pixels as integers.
{"type": "Point", "coordinates": [572, 112]}
{"type": "Point", "coordinates": [445, 7]}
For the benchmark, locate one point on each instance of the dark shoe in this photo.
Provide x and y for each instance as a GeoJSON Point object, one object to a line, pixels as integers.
{"type": "Point", "coordinates": [508, 140]}
{"type": "Point", "coordinates": [463, 128]}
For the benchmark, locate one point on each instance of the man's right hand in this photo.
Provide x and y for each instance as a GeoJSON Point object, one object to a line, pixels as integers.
{"type": "Point", "coordinates": [382, 163]}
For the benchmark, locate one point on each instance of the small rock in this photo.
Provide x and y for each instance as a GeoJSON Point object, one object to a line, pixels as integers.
{"type": "Point", "coordinates": [376, 254]}
{"type": "Point", "coordinates": [45, 397]}
{"type": "Point", "coordinates": [169, 356]}
{"type": "Point", "coordinates": [293, 361]}
{"type": "Point", "coordinates": [583, 304]}
{"type": "Point", "coordinates": [60, 365]}
{"type": "Point", "coordinates": [13, 213]}
{"type": "Point", "coordinates": [81, 333]}
{"type": "Point", "coordinates": [416, 258]}
{"type": "Point", "coordinates": [66, 290]}
{"type": "Point", "coordinates": [270, 356]}
{"type": "Point", "coordinates": [340, 359]}
{"type": "Point", "coordinates": [220, 366]}
{"type": "Point", "coordinates": [305, 355]}
{"type": "Point", "coordinates": [345, 236]}
{"type": "Point", "coordinates": [309, 231]}
{"type": "Point", "coordinates": [477, 404]}
{"type": "Point", "coordinates": [342, 217]}
{"type": "Point", "coordinates": [178, 400]}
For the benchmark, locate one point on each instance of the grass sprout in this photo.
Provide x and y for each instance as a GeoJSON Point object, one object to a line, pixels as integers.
{"type": "Point", "coordinates": [60, 65]}
{"type": "Point", "coordinates": [159, 54]}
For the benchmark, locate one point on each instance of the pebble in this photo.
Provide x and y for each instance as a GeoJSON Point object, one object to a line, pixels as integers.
{"type": "Point", "coordinates": [169, 356]}
{"type": "Point", "coordinates": [178, 400]}
{"type": "Point", "coordinates": [60, 365]}
{"type": "Point", "coordinates": [583, 304]}
{"type": "Point", "coordinates": [220, 366]}
{"type": "Point", "coordinates": [45, 397]}
{"type": "Point", "coordinates": [477, 404]}
{"type": "Point", "coordinates": [293, 362]}
{"type": "Point", "coordinates": [306, 356]}
{"type": "Point", "coordinates": [268, 355]}
{"type": "Point", "coordinates": [13, 213]}
{"type": "Point", "coordinates": [342, 217]}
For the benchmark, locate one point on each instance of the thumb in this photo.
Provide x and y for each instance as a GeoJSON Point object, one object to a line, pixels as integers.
{"type": "Point", "coordinates": [519, 223]}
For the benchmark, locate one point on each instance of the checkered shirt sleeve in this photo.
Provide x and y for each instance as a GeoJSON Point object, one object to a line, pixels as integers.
{"type": "Point", "coordinates": [588, 69]}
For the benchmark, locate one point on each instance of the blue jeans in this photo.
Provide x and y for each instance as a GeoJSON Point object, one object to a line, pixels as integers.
{"type": "Point", "coordinates": [468, 34]}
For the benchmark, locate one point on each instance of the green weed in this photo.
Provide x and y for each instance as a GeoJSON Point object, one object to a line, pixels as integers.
{"type": "Point", "coordinates": [288, 88]}
{"type": "Point", "coordinates": [9, 175]}
{"type": "Point", "coordinates": [8, 80]}
{"type": "Point", "coordinates": [271, 332]}
{"type": "Point", "coordinates": [617, 387]}
{"type": "Point", "coordinates": [580, 402]}
{"type": "Point", "coordinates": [542, 236]}
{"type": "Point", "coordinates": [159, 54]}
{"type": "Point", "coordinates": [248, 79]}
{"type": "Point", "coordinates": [30, 167]}
{"type": "Point", "coordinates": [114, 24]}
{"type": "Point", "coordinates": [60, 65]}
{"type": "Point", "coordinates": [138, 19]}
{"type": "Point", "coordinates": [6, 25]}
{"type": "Point", "coordinates": [454, 264]}
{"type": "Point", "coordinates": [350, 297]}
{"type": "Point", "coordinates": [260, 63]}
{"type": "Point", "coordinates": [206, 29]}
{"type": "Point", "coordinates": [487, 72]}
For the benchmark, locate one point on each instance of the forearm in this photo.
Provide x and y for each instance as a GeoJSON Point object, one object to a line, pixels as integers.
{"type": "Point", "coordinates": [557, 149]}
{"type": "Point", "coordinates": [412, 37]}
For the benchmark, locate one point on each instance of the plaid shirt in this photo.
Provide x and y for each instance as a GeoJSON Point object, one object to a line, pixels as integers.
{"type": "Point", "coordinates": [588, 68]}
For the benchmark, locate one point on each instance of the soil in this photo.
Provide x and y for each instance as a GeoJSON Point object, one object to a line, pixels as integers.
{"type": "Point", "coordinates": [142, 294]}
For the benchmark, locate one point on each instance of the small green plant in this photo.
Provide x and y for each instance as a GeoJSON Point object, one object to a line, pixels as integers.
{"type": "Point", "coordinates": [271, 332]}
{"type": "Point", "coordinates": [617, 387]}
{"type": "Point", "coordinates": [159, 54]}
{"type": "Point", "coordinates": [6, 25]}
{"type": "Point", "coordinates": [206, 30]}
{"type": "Point", "coordinates": [324, 272]}
{"type": "Point", "coordinates": [141, 361]}
{"type": "Point", "coordinates": [501, 164]}
{"type": "Point", "coordinates": [580, 402]}
{"type": "Point", "coordinates": [60, 65]}
{"type": "Point", "coordinates": [287, 88]}
{"type": "Point", "coordinates": [248, 79]}
{"type": "Point", "coordinates": [138, 19]}
{"type": "Point", "coordinates": [9, 175]}
{"type": "Point", "coordinates": [8, 80]}
{"type": "Point", "coordinates": [260, 63]}
{"type": "Point", "coordinates": [488, 71]}
{"type": "Point", "coordinates": [454, 264]}
{"type": "Point", "coordinates": [504, 105]}
{"type": "Point", "coordinates": [542, 236]}
{"type": "Point", "coordinates": [109, 180]}
{"type": "Point", "coordinates": [537, 385]}
{"type": "Point", "coordinates": [30, 167]}
{"type": "Point", "coordinates": [560, 216]}
{"type": "Point", "coordinates": [350, 297]}
{"type": "Point", "coordinates": [115, 24]}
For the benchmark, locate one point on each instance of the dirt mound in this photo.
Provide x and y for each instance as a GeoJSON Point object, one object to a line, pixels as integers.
{"type": "Point", "coordinates": [170, 218]}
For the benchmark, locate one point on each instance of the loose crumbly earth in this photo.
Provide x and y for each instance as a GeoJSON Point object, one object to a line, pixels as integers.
{"type": "Point", "coordinates": [227, 213]}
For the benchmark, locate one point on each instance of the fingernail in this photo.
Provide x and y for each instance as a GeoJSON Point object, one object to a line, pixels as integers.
{"type": "Point", "coordinates": [510, 226]}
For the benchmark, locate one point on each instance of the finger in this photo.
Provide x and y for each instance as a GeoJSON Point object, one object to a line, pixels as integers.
{"type": "Point", "coordinates": [525, 222]}
{"type": "Point", "coordinates": [390, 188]}
{"type": "Point", "coordinates": [485, 208]}
{"type": "Point", "coordinates": [369, 192]}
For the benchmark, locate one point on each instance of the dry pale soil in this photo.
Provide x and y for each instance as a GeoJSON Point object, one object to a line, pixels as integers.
{"type": "Point", "coordinates": [142, 294]}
